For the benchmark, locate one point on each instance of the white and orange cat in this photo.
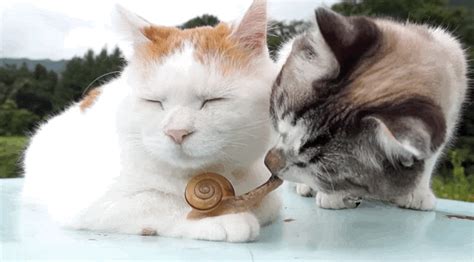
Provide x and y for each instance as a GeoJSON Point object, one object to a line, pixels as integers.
{"type": "Point", "coordinates": [189, 101]}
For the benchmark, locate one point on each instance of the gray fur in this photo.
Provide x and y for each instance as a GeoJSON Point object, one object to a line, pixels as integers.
{"type": "Point", "coordinates": [335, 143]}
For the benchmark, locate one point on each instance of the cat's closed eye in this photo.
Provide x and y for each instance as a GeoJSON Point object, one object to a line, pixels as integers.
{"type": "Point", "coordinates": [155, 101]}
{"type": "Point", "coordinates": [319, 141]}
{"type": "Point", "coordinates": [211, 100]}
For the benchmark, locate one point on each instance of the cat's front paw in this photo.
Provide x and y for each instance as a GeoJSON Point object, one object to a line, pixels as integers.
{"type": "Point", "coordinates": [419, 199]}
{"type": "Point", "coordinates": [304, 190]}
{"type": "Point", "coordinates": [240, 227]}
{"type": "Point", "coordinates": [336, 201]}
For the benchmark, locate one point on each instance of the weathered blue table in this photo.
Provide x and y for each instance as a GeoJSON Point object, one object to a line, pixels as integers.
{"type": "Point", "coordinates": [304, 232]}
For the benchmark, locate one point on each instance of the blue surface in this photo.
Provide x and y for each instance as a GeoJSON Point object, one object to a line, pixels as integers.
{"type": "Point", "coordinates": [372, 231]}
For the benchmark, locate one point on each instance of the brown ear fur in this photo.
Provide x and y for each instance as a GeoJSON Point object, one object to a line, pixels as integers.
{"type": "Point", "coordinates": [234, 46]}
{"type": "Point", "coordinates": [350, 38]}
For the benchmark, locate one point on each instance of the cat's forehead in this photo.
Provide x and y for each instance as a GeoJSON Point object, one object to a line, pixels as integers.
{"type": "Point", "coordinates": [210, 45]}
{"type": "Point", "coordinates": [183, 77]}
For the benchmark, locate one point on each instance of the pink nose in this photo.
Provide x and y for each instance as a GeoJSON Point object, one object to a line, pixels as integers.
{"type": "Point", "coordinates": [178, 135]}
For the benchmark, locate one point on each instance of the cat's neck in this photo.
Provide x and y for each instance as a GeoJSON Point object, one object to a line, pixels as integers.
{"type": "Point", "coordinates": [135, 158]}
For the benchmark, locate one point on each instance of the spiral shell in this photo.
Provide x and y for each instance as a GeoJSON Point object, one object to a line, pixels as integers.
{"type": "Point", "coordinates": [206, 191]}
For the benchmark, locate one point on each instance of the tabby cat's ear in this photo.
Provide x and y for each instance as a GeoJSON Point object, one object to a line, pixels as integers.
{"type": "Point", "coordinates": [348, 37]}
{"type": "Point", "coordinates": [406, 138]}
{"type": "Point", "coordinates": [130, 25]}
{"type": "Point", "coordinates": [251, 32]}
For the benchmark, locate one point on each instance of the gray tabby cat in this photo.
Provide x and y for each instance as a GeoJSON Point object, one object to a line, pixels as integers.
{"type": "Point", "coordinates": [364, 108]}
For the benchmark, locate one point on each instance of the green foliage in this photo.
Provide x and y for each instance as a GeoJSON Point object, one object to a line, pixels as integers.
{"type": "Point", "coordinates": [89, 71]}
{"type": "Point", "coordinates": [36, 91]}
{"type": "Point", "coordinates": [10, 151]}
{"type": "Point", "coordinates": [204, 20]}
{"type": "Point", "coordinates": [14, 121]}
{"type": "Point", "coordinates": [29, 96]}
{"type": "Point", "coordinates": [464, 146]}
{"type": "Point", "coordinates": [458, 186]}
{"type": "Point", "coordinates": [280, 32]}
{"type": "Point", "coordinates": [455, 176]}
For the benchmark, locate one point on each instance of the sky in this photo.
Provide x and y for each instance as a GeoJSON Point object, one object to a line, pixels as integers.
{"type": "Point", "coordinates": [60, 29]}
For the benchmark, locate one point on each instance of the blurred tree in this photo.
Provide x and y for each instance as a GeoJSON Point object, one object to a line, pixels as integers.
{"type": "Point", "coordinates": [280, 31]}
{"type": "Point", "coordinates": [91, 71]}
{"type": "Point", "coordinates": [8, 77]}
{"type": "Point", "coordinates": [36, 93]}
{"type": "Point", "coordinates": [27, 96]}
{"type": "Point", "coordinates": [14, 121]}
{"type": "Point", "coordinates": [204, 20]}
{"type": "Point", "coordinates": [29, 90]}
{"type": "Point", "coordinates": [40, 72]}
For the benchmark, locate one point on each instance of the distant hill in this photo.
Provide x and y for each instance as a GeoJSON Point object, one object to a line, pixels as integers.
{"type": "Point", "coordinates": [57, 66]}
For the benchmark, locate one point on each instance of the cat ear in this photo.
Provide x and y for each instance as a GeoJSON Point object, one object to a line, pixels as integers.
{"type": "Point", "coordinates": [251, 32]}
{"type": "Point", "coordinates": [130, 25]}
{"type": "Point", "coordinates": [348, 37]}
{"type": "Point", "coordinates": [404, 139]}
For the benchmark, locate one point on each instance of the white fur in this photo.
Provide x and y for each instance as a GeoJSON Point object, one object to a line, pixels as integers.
{"type": "Point", "coordinates": [330, 201]}
{"type": "Point", "coordinates": [125, 24]}
{"type": "Point", "coordinates": [284, 52]}
{"type": "Point", "coordinates": [304, 190]}
{"type": "Point", "coordinates": [112, 167]}
{"type": "Point", "coordinates": [294, 134]}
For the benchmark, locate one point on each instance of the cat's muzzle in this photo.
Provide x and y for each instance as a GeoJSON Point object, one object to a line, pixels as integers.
{"type": "Point", "coordinates": [275, 161]}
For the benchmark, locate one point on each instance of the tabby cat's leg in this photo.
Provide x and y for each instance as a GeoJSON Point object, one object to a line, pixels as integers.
{"type": "Point", "coordinates": [422, 197]}
{"type": "Point", "coordinates": [336, 200]}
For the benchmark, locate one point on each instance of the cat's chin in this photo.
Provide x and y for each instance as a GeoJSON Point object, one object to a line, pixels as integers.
{"type": "Point", "coordinates": [190, 163]}
{"type": "Point", "coordinates": [182, 160]}
{"type": "Point", "coordinates": [299, 176]}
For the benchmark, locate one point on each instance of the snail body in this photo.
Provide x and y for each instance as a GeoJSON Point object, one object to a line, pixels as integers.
{"type": "Point", "coordinates": [211, 194]}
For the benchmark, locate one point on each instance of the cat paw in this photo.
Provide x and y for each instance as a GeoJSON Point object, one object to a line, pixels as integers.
{"type": "Point", "coordinates": [304, 190]}
{"type": "Point", "coordinates": [240, 227]}
{"type": "Point", "coordinates": [336, 201]}
{"type": "Point", "coordinates": [419, 199]}
{"type": "Point", "coordinates": [268, 210]}
{"type": "Point", "coordinates": [148, 232]}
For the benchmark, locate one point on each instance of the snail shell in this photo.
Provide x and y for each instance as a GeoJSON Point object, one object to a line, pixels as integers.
{"type": "Point", "coordinates": [205, 192]}
{"type": "Point", "coordinates": [211, 194]}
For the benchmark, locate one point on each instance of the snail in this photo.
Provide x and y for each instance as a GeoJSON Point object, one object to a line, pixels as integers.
{"type": "Point", "coordinates": [211, 194]}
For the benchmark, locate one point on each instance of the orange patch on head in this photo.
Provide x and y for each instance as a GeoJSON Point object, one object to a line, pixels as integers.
{"type": "Point", "coordinates": [89, 99]}
{"type": "Point", "coordinates": [209, 43]}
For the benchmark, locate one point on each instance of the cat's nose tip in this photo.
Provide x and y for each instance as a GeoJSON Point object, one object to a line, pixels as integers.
{"type": "Point", "coordinates": [178, 135]}
{"type": "Point", "coordinates": [275, 160]}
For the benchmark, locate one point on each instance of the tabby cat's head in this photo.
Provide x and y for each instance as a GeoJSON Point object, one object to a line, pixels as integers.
{"type": "Point", "coordinates": [358, 96]}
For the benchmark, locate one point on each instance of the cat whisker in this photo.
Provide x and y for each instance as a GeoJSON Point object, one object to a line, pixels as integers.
{"type": "Point", "coordinates": [97, 79]}
{"type": "Point", "coordinates": [331, 182]}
